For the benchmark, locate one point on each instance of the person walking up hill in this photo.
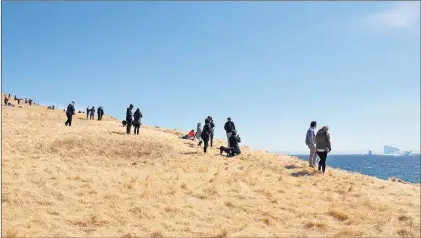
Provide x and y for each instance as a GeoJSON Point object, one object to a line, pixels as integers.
{"type": "Point", "coordinates": [229, 128]}
{"type": "Point", "coordinates": [136, 121]}
{"type": "Point", "coordinates": [69, 113]}
{"type": "Point", "coordinates": [323, 146]}
{"type": "Point", "coordinates": [129, 119]}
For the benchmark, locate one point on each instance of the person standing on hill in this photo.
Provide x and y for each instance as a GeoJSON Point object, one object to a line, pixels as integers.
{"type": "Point", "coordinates": [69, 113]}
{"type": "Point", "coordinates": [229, 128]}
{"type": "Point", "coordinates": [129, 119]}
{"type": "Point", "coordinates": [100, 112]}
{"type": "Point", "coordinates": [323, 146]}
{"type": "Point", "coordinates": [212, 130]}
{"type": "Point", "coordinates": [206, 134]}
{"type": "Point", "coordinates": [6, 99]}
{"type": "Point", "coordinates": [310, 142]}
{"type": "Point", "coordinates": [18, 99]}
{"type": "Point", "coordinates": [199, 133]}
{"type": "Point", "coordinates": [30, 102]}
{"type": "Point", "coordinates": [136, 121]}
{"type": "Point", "coordinates": [88, 112]}
{"type": "Point", "coordinates": [92, 116]}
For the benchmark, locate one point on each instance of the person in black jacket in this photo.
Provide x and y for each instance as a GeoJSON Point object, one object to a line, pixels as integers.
{"type": "Point", "coordinates": [100, 113]}
{"type": "Point", "coordinates": [69, 113]}
{"type": "Point", "coordinates": [136, 121]}
{"type": "Point", "coordinates": [92, 116]}
{"type": "Point", "coordinates": [206, 134]}
{"type": "Point", "coordinates": [88, 112]}
{"type": "Point", "coordinates": [233, 141]}
{"type": "Point", "coordinates": [229, 128]}
{"type": "Point", "coordinates": [129, 119]}
{"type": "Point", "coordinates": [212, 125]}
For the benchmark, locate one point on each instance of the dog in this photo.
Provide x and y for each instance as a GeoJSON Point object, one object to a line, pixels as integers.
{"type": "Point", "coordinates": [124, 123]}
{"type": "Point", "coordinates": [227, 150]}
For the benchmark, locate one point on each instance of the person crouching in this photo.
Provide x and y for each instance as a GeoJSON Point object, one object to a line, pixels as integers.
{"type": "Point", "coordinates": [234, 139]}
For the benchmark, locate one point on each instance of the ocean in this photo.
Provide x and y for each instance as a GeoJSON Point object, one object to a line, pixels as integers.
{"type": "Point", "coordinates": [404, 167]}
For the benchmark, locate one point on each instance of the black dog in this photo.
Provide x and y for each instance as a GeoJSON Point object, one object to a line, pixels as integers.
{"type": "Point", "coordinates": [227, 150]}
{"type": "Point", "coordinates": [124, 123]}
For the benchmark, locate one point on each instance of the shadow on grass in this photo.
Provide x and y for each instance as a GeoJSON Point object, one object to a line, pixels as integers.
{"type": "Point", "coordinates": [302, 173]}
{"type": "Point", "coordinates": [117, 132]}
{"type": "Point", "coordinates": [190, 153]}
{"type": "Point", "coordinates": [292, 166]}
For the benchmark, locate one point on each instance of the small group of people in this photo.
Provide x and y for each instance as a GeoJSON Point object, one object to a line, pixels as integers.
{"type": "Point", "coordinates": [90, 113]}
{"type": "Point", "coordinates": [133, 119]}
{"type": "Point", "coordinates": [206, 135]}
{"type": "Point", "coordinates": [8, 96]}
{"type": "Point", "coordinates": [319, 145]}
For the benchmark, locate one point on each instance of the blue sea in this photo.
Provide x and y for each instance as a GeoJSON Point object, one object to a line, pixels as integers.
{"type": "Point", "coordinates": [404, 167]}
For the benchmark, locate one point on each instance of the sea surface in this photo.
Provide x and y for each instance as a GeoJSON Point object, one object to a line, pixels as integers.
{"type": "Point", "coordinates": [404, 167]}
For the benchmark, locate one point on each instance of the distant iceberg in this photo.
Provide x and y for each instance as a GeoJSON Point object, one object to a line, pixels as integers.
{"type": "Point", "coordinates": [390, 150]}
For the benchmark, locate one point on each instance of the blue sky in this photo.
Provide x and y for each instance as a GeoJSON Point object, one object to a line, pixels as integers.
{"type": "Point", "coordinates": [271, 66]}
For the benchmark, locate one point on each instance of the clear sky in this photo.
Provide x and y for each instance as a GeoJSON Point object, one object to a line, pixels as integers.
{"type": "Point", "coordinates": [271, 66]}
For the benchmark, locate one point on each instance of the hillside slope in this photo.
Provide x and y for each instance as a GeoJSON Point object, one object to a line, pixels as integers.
{"type": "Point", "coordinates": [91, 180]}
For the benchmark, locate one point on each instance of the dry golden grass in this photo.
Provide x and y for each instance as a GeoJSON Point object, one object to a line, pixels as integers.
{"type": "Point", "coordinates": [91, 180]}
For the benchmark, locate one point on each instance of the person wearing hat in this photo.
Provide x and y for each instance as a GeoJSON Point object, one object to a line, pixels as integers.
{"type": "Point", "coordinates": [199, 133]}
{"type": "Point", "coordinates": [129, 118]}
{"type": "Point", "coordinates": [229, 128]}
{"type": "Point", "coordinates": [69, 113]}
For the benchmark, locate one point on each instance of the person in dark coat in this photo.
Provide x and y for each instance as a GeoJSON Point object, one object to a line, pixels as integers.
{"type": "Point", "coordinates": [69, 113]}
{"type": "Point", "coordinates": [129, 119]}
{"type": "Point", "coordinates": [30, 102]}
{"type": "Point", "coordinates": [136, 121]}
{"type": "Point", "coordinates": [323, 146]}
{"type": "Point", "coordinates": [233, 141]}
{"type": "Point", "coordinates": [206, 134]}
{"type": "Point", "coordinates": [229, 128]}
{"type": "Point", "coordinates": [212, 130]}
{"type": "Point", "coordinates": [6, 99]}
{"type": "Point", "coordinates": [92, 117]}
{"type": "Point", "coordinates": [100, 113]}
{"type": "Point", "coordinates": [88, 112]}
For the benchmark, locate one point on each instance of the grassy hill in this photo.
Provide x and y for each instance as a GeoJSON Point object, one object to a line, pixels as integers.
{"type": "Point", "coordinates": [92, 180]}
